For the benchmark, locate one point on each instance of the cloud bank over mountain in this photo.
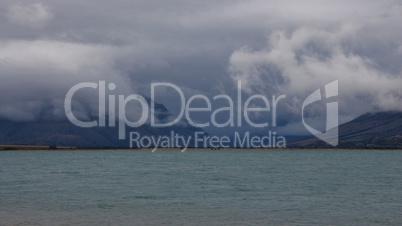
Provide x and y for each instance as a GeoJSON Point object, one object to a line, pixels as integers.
{"type": "Point", "coordinates": [273, 47]}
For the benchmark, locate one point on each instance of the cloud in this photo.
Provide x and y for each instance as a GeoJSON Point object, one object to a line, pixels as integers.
{"type": "Point", "coordinates": [36, 75]}
{"type": "Point", "coordinates": [299, 62]}
{"type": "Point", "coordinates": [35, 15]}
{"type": "Point", "coordinates": [273, 46]}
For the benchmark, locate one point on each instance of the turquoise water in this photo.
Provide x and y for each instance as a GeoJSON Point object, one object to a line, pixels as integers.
{"type": "Point", "coordinates": [201, 188]}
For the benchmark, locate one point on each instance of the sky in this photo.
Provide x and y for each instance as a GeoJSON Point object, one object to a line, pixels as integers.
{"type": "Point", "coordinates": [203, 47]}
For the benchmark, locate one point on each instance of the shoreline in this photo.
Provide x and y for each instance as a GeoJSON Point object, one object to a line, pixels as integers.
{"type": "Point", "coordinates": [71, 148]}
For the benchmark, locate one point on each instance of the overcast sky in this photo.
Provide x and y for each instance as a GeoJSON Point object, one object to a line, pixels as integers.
{"type": "Point", "coordinates": [204, 47]}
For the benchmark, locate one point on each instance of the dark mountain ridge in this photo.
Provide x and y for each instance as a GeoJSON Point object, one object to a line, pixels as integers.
{"type": "Point", "coordinates": [371, 130]}
{"type": "Point", "coordinates": [61, 132]}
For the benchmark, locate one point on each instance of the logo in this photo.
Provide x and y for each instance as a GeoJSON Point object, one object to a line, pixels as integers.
{"type": "Point", "coordinates": [331, 132]}
{"type": "Point", "coordinates": [234, 113]}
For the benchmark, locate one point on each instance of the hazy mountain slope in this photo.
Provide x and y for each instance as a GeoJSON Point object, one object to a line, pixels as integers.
{"type": "Point", "coordinates": [64, 133]}
{"type": "Point", "coordinates": [372, 130]}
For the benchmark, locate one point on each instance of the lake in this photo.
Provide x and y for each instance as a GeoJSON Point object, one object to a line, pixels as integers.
{"type": "Point", "coordinates": [289, 187]}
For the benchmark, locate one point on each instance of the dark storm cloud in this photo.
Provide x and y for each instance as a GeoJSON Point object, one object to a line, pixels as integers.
{"type": "Point", "coordinates": [292, 47]}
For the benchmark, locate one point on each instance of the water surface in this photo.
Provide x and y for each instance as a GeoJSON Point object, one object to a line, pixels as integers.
{"type": "Point", "coordinates": [201, 188]}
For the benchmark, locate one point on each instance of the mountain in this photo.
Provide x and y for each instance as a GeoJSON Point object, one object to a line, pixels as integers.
{"type": "Point", "coordinates": [371, 130]}
{"type": "Point", "coordinates": [52, 132]}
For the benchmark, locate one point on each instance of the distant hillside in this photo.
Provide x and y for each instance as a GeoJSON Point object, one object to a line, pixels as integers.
{"type": "Point", "coordinates": [64, 133]}
{"type": "Point", "coordinates": [372, 130]}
